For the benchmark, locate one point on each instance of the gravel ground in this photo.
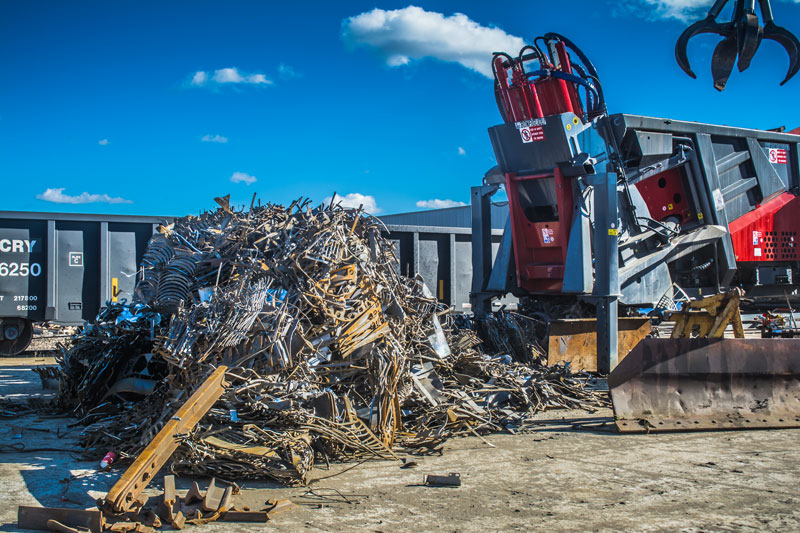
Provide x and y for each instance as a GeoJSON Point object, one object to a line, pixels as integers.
{"type": "Point", "coordinates": [555, 478]}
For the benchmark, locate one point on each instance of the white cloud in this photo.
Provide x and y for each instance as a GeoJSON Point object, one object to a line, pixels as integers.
{"type": "Point", "coordinates": [57, 195]}
{"type": "Point", "coordinates": [242, 177]}
{"type": "Point", "coordinates": [403, 35]}
{"type": "Point", "coordinates": [208, 138]}
{"type": "Point", "coordinates": [461, 151]}
{"type": "Point", "coordinates": [439, 204]}
{"type": "Point", "coordinates": [228, 75]}
{"type": "Point", "coordinates": [199, 78]}
{"type": "Point", "coordinates": [103, 142]}
{"type": "Point", "coordinates": [287, 72]}
{"type": "Point", "coordinates": [354, 200]}
{"type": "Point", "coordinates": [683, 10]}
{"type": "Point", "coordinates": [257, 79]}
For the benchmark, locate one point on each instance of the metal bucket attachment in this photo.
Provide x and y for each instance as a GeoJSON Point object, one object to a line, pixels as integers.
{"type": "Point", "coordinates": [693, 384]}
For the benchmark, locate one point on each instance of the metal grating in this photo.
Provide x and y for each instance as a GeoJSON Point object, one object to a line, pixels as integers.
{"type": "Point", "coordinates": [780, 245]}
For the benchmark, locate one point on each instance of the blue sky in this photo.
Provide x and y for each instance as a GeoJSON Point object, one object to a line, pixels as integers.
{"type": "Point", "coordinates": [156, 107]}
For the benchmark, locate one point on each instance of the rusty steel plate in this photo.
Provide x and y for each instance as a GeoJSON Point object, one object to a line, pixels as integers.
{"type": "Point", "coordinates": [692, 384]}
{"type": "Point", "coordinates": [37, 518]}
{"type": "Point", "coordinates": [574, 340]}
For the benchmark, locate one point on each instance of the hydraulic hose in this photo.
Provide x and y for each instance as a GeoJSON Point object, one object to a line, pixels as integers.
{"type": "Point", "coordinates": [572, 78]}
{"type": "Point", "coordinates": [585, 60]}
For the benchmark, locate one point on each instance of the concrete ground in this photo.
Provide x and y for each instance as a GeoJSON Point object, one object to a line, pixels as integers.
{"type": "Point", "coordinates": [555, 478]}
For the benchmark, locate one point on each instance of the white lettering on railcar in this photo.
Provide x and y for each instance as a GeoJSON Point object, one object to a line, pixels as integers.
{"type": "Point", "coordinates": [14, 269]}
{"type": "Point", "coordinates": [17, 245]}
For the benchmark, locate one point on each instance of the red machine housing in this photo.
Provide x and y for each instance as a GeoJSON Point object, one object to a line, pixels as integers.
{"type": "Point", "coordinates": [769, 232]}
{"type": "Point", "coordinates": [541, 212]}
{"type": "Point", "coordinates": [540, 242]}
{"type": "Point", "coordinates": [521, 99]}
{"type": "Point", "coordinates": [665, 196]}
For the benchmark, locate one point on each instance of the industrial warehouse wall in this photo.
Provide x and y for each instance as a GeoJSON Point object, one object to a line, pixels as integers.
{"type": "Point", "coordinates": [443, 257]}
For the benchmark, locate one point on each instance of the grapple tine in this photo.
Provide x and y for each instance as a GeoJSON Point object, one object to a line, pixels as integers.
{"type": "Point", "coordinates": [722, 62]}
{"type": "Point", "coordinates": [707, 25]}
{"type": "Point", "coordinates": [681, 55]}
{"type": "Point", "coordinates": [702, 26]}
{"type": "Point", "coordinates": [749, 34]}
{"type": "Point", "coordinates": [789, 42]}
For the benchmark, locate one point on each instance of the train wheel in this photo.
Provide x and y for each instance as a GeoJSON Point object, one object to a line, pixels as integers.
{"type": "Point", "coordinates": [16, 334]}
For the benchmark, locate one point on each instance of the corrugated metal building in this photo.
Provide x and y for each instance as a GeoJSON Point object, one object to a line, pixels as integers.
{"type": "Point", "coordinates": [437, 244]}
{"type": "Point", "coordinates": [452, 217]}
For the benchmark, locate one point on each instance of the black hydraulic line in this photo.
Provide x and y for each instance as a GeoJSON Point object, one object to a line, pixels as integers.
{"type": "Point", "coordinates": [600, 108]}
{"type": "Point", "coordinates": [536, 51]}
{"type": "Point", "coordinates": [543, 54]}
{"type": "Point", "coordinates": [614, 159]}
{"type": "Point", "coordinates": [572, 78]}
{"type": "Point", "coordinates": [590, 73]}
{"type": "Point", "coordinates": [503, 54]}
{"type": "Point", "coordinates": [582, 73]}
{"type": "Point", "coordinates": [585, 60]}
{"type": "Point", "coordinates": [700, 268]}
{"type": "Point", "coordinates": [687, 144]}
{"type": "Point", "coordinates": [709, 215]}
{"type": "Point", "coordinates": [661, 224]}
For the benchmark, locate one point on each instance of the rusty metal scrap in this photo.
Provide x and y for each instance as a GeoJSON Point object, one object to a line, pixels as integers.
{"type": "Point", "coordinates": [197, 507]}
{"type": "Point", "coordinates": [123, 495]}
{"type": "Point", "coordinates": [709, 317]}
{"type": "Point", "coordinates": [43, 518]}
{"type": "Point", "coordinates": [331, 352]}
{"type": "Point", "coordinates": [451, 480]}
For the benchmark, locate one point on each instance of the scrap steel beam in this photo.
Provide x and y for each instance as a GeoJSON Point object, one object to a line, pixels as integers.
{"type": "Point", "coordinates": [124, 494]}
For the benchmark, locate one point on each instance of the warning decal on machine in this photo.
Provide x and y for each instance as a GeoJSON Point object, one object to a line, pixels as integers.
{"type": "Point", "coordinates": [531, 134]}
{"type": "Point", "coordinates": [777, 156]}
{"type": "Point", "coordinates": [719, 200]}
{"type": "Point", "coordinates": [547, 235]}
{"type": "Point", "coordinates": [756, 236]}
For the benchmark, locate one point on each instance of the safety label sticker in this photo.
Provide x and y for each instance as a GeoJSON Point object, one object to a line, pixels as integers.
{"type": "Point", "coordinates": [777, 156]}
{"type": "Point", "coordinates": [532, 134]}
{"type": "Point", "coordinates": [719, 200]}
{"type": "Point", "coordinates": [756, 236]}
{"type": "Point", "coordinates": [547, 235]}
{"type": "Point", "coordinates": [530, 123]}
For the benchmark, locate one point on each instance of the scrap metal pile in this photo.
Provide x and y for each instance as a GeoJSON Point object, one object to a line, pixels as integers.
{"type": "Point", "coordinates": [332, 353]}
